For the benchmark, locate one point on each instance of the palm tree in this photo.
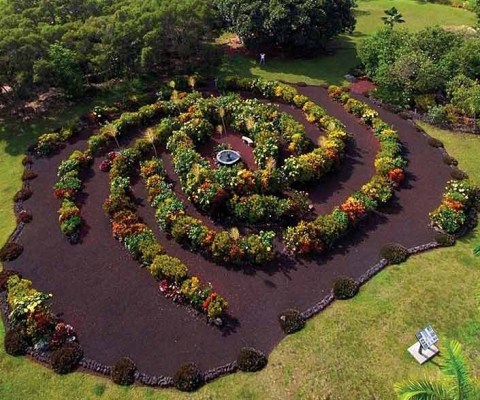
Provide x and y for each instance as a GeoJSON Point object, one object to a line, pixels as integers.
{"type": "Point", "coordinates": [192, 81]}
{"type": "Point", "coordinates": [150, 136]}
{"type": "Point", "coordinates": [476, 251]}
{"type": "Point", "coordinates": [393, 17]}
{"type": "Point", "coordinates": [455, 384]}
{"type": "Point", "coordinates": [221, 114]}
{"type": "Point", "coordinates": [111, 131]}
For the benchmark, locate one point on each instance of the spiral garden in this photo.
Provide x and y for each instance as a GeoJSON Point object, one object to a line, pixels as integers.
{"type": "Point", "coordinates": [206, 263]}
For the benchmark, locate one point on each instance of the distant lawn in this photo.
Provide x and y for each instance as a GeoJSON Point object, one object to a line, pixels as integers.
{"type": "Point", "coordinates": [353, 350]}
{"type": "Point", "coordinates": [332, 69]}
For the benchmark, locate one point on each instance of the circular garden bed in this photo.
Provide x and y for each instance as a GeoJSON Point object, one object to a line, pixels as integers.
{"type": "Point", "coordinates": [166, 266]}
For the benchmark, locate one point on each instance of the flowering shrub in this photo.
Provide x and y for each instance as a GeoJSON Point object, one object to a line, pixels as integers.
{"type": "Point", "coordinates": [452, 214]}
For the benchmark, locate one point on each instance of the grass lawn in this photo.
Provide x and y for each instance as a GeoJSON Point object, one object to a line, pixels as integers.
{"type": "Point", "coordinates": [332, 69]}
{"type": "Point", "coordinates": [353, 350]}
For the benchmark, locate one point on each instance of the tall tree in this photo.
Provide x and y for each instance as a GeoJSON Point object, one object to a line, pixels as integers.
{"type": "Point", "coordinates": [293, 26]}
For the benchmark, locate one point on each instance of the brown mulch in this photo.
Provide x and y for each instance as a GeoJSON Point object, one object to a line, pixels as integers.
{"type": "Point", "coordinates": [116, 307]}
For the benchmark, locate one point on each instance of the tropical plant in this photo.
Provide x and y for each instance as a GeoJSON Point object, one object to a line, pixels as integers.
{"type": "Point", "coordinates": [456, 382]}
{"type": "Point", "coordinates": [392, 17]}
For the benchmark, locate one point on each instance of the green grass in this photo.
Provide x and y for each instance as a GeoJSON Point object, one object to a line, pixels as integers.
{"type": "Point", "coordinates": [332, 69]}
{"type": "Point", "coordinates": [353, 350]}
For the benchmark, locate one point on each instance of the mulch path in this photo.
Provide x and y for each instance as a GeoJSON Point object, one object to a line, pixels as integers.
{"type": "Point", "coordinates": [116, 307]}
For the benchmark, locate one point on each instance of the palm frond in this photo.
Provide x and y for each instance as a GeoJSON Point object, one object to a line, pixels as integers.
{"type": "Point", "coordinates": [422, 390]}
{"type": "Point", "coordinates": [454, 367]}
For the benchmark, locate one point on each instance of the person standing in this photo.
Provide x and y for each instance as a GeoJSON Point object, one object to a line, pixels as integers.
{"type": "Point", "coordinates": [262, 58]}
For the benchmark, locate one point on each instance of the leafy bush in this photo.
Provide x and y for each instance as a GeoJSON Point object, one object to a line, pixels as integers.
{"type": "Point", "coordinates": [16, 342]}
{"type": "Point", "coordinates": [123, 372]}
{"type": "Point", "coordinates": [445, 239]}
{"type": "Point", "coordinates": [188, 378]}
{"type": "Point", "coordinates": [24, 216]}
{"type": "Point", "coordinates": [10, 251]}
{"type": "Point", "coordinates": [435, 142]}
{"type": "Point", "coordinates": [449, 160]}
{"type": "Point", "coordinates": [66, 358]}
{"type": "Point", "coordinates": [171, 268]}
{"type": "Point", "coordinates": [345, 288]}
{"type": "Point", "coordinates": [394, 253]}
{"type": "Point", "coordinates": [251, 360]}
{"type": "Point", "coordinates": [458, 174]}
{"type": "Point", "coordinates": [22, 195]}
{"type": "Point", "coordinates": [291, 321]}
{"type": "Point", "coordinates": [28, 175]}
{"type": "Point", "coordinates": [5, 274]}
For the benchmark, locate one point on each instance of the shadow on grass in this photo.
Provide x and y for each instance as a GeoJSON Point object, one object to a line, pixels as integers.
{"type": "Point", "coordinates": [328, 68]}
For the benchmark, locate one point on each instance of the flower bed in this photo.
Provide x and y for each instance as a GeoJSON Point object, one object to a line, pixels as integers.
{"type": "Point", "coordinates": [459, 199]}
{"type": "Point", "coordinates": [140, 241]}
{"type": "Point", "coordinates": [223, 246]}
{"type": "Point", "coordinates": [318, 235]}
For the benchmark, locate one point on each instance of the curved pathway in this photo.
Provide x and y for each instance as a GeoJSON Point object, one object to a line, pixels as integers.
{"type": "Point", "coordinates": [117, 310]}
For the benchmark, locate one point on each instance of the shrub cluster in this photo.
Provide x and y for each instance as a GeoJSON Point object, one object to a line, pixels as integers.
{"type": "Point", "coordinates": [123, 372]}
{"type": "Point", "coordinates": [24, 216]}
{"type": "Point", "coordinates": [33, 324]}
{"type": "Point", "coordinates": [394, 253]}
{"type": "Point", "coordinates": [458, 199]}
{"type": "Point", "coordinates": [445, 239]}
{"type": "Point", "coordinates": [66, 358]}
{"type": "Point", "coordinates": [10, 251]}
{"type": "Point", "coordinates": [22, 195]}
{"type": "Point", "coordinates": [188, 378]}
{"type": "Point", "coordinates": [345, 287]}
{"type": "Point", "coordinates": [251, 360]}
{"type": "Point", "coordinates": [16, 342]}
{"type": "Point", "coordinates": [291, 321]}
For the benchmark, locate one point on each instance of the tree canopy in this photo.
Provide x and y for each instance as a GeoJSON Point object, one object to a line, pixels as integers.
{"type": "Point", "coordinates": [100, 39]}
{"type": "Point", "coordinates": [293, 26]}
{"type": "Point", "coordinates": [405, 64]}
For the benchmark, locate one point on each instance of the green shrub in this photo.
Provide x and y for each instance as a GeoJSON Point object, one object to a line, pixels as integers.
{"type": "Point", "coordinates": [123, 372]}
{"type": "Point", "coordinates": [15, 342]}
{"type": "Point", "coordinates": [458, 174]}
{"type": "Point", "coordinates": [66, 358]}
{"type": "Point", "coordinates": [251, 360]}
{"type": "Point", "coordinates": [449, 160]}
{"type": "Point", "coordinates": [345, 288]}
{"type": "Point", "coordinates": [435, 142]}
{"type": "Point", "coordinates": [291, 321]}
{"type": "Point", "coordinates": [188, 378]}
{"type": "Point", "coordinates": [5, 274]}
{"type": "Point", "coordinates": [28, 175]}
{"type": "Point", "coordinates": [10, 251]}
{"type": "Point", "coordinates": [445, 239]}
{"type": "Point", "coordinates": [172, 268]}
{"type": "Point", "coordinates": [394, 253]}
